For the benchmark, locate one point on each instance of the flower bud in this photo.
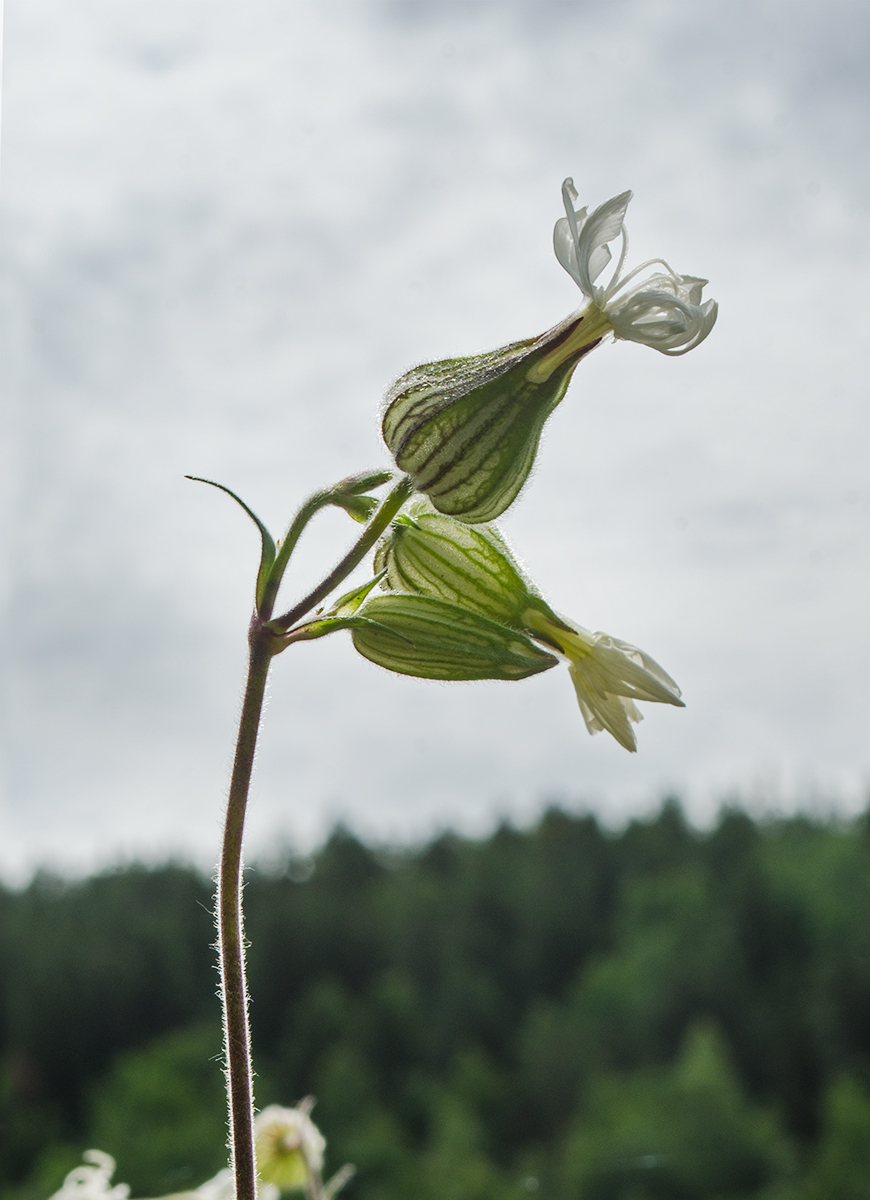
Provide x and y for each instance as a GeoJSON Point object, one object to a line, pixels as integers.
{"type": "Point", "coordinates": [349, 494]}
{"type": "Point", "coordinates": [434, 639]}
{"type": "Point", "coordinates": [433, 555]}
{"type": "Point", "coordinates": [358, 507]}
{"type": "Point", "coordinates": [467, 429]}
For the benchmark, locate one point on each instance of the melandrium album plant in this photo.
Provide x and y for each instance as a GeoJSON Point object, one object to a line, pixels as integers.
{"type": "Point", "coordinates": [453, 604]}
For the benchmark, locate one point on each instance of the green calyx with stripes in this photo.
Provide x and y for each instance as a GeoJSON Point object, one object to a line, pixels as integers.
{"type": "Point", "coordinates": [470, 569]}
{"type": "Point", "coordinates": [430, 554]}
{"type": "Point", "coordinates": [434, 639]}
{"type": "Point", "coordinates": [467, 429]}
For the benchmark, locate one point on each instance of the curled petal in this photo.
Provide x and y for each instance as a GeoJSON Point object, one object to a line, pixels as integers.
{"type": "Point", "coordinates": [664, 311]}
{"type": "Point", "coordinates": [565, 246]}
{"type": "Point", "coordinates": [580, 241]}
{"type": "Point", "coordinates": [600, 227]}
{"type": "Point", "coordinates": [663, 320]}
{"type": "Point", "coordinates": [567, 230]}
{"type": "Point", "coordinates": [690, 288]}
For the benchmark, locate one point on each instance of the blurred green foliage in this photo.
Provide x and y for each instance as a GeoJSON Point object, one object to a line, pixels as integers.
{"type": "Point", "coordinates": [562, 1012]}
{"type": "Point", "coordinates": [163, 1111]}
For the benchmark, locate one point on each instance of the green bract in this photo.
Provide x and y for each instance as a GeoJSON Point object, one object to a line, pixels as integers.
{"type": "Point", "coordinates": [467, 429]}
{"type": "Point", "coordinates": [433, 639]}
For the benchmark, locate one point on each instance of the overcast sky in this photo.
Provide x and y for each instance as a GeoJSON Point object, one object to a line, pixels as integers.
{"type": "Point", "coordinates": [228, 227]}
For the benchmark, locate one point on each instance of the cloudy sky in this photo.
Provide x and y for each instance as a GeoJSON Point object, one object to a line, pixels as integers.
{"type": "Point", "coordinates": [228, 227]}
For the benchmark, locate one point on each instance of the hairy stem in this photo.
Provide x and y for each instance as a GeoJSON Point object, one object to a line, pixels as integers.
{"type": "Point", "coordinates": [309, 508]}
{"type": "Point", "coordinates": [379, 522]}
{"type": "Point", "coordinates": [264, 641]}
{"type": "Point", "coordinates": [231, 945]}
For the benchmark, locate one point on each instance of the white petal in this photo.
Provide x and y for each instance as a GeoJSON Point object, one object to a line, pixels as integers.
{"type": "Point", "coordinates": [649, 665]}
{"type": "Point", "coordinates": [566, 249]}
{"type": "Point", "coordinates": [608, 674]}
{"type": "Point", "coordinates": [690, 289]}
{"type": "Point", "coordinates": [703, 320]}
{"type": "Point", "coordinates": [661, 318]}
{"type": "Point", "coordinates": [598, 260]}
{"type": "Point", "coordinates": [603, 711]}
{"type": "Point", "coordinates": [600, 227]}
{"type": "Point", "coordinates": [619, 669]}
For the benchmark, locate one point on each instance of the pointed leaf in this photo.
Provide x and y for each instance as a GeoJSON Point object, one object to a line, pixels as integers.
{"type": "Point", "coordinates": [268, 549]}
{"type": "Point", "coordinates": [327, 625]}
{"type": "Point", "coordinates": [347, 604]}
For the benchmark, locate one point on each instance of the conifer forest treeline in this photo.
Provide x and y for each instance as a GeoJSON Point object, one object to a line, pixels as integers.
{"type": "Point", "coordinates": [561, 1012]}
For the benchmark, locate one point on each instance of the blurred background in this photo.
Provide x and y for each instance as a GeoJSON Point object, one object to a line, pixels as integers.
{"type": "Point", "coordinates": [558, 1011]}
{"type": "Point", "coordinates": [226, 229]}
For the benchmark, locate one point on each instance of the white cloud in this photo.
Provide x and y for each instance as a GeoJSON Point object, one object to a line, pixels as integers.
{"type": "Point", "coordinates": [228, 227]}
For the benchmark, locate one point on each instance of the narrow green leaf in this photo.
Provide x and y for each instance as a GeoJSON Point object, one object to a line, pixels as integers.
{"type": "Point", "coordinates": [345, 494]}
{"type": "Point", "coordinates": [268, 549]}
{"type": "Point", "coordinates": [326, 625]}
{"type": "Point", "coordinates": [350, 601]}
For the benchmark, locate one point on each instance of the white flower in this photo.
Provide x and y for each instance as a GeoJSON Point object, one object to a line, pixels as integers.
{"type": "Point", "coordinates": [92, 1182]}
{"type": "Point", "coordinates": [223, 1187]}
{"type": "Point", "coordinates": [289, 1149]}
{"type": "Point", "coordinates": [608, 676]}
{"type": "Point", "coordinates": [662, 310]}
{"type": "Point", "coordinates": [289, 1145]}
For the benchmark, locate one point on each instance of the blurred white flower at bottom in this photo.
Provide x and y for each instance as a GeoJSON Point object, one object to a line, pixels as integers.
{"type": "Point", "coordinates": [289, 1156]}
{"type": "Point", "coordinates": [223, 1187]}
{"type": "Point", "coordinates": [93, 1180]}
{"type": "Point", "coordinates": [289, 1145]}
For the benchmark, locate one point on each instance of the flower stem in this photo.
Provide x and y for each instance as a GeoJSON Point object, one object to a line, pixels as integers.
{"type": "Point", "coordinates": [231, 945]}
{"type": "Point", "coordinates": [391, 505]}
{"type": "Point", "coordinates": [265, 640]}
